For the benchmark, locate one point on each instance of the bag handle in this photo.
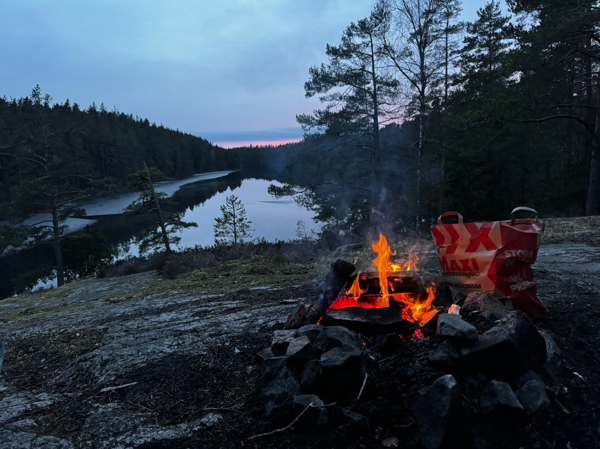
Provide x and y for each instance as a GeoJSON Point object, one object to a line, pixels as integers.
{"type": "Point", "coordinates": [513, 219]}
{"type": "Point", "coordinates": [448, 214]}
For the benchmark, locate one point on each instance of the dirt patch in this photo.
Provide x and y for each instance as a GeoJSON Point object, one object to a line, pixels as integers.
{"type": "Point", "coordinates": [576, 230]}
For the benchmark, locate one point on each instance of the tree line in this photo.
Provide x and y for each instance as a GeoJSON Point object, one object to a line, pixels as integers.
{"type": "Point", "coordinates": [53, 156]}
{"type": "Point", "coordinates": [107, 144]}
{"type": "Point", "coordinates": [423, 113]}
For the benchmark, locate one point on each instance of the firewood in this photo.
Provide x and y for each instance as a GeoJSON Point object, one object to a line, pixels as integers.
{"type": "Point", "coordinates": [335, 280]}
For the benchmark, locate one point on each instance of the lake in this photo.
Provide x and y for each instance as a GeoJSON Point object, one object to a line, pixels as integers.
{"type": "Point", "coordinates": [199, 199]}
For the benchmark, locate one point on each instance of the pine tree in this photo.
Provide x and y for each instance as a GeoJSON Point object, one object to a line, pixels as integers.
{"type": "Point", "coordinates": [360, 97]}
{"type": "Point", "coordinates": [233, 226]}
{"type": "Point", "coordinates": [50, 180]}
{"type": "Point", "coordinates": [162, 232]}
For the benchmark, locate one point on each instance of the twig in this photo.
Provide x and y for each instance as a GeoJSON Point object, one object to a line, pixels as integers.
{"type": "Point", "coordinates": [104, 390]}
{"type": "Point", "coordinates": [361, 391]}
{"type": "Point", "coordinates": [284, 428]}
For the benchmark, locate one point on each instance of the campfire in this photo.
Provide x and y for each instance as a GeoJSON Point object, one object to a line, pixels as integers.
{"type": "Point", "coordinates": [394, 285]}
{"type": "Point", "coordinates": [395, 320]}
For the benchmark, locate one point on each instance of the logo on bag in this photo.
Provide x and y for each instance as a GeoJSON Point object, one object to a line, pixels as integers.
{"type": "Point", "coordinates": [480, 236]}
{"type": "Point", "coordinates": [460, 267]}
{"type": "Point", "coordinates": [440, 239]}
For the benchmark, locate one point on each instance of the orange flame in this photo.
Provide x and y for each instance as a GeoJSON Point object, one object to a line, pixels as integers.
{"type": "Point", "coordinates": [418, 312]}
{"type": "Point", "coordinates": [415, 310]}
{"type": "Point", "coordinates": [354, 289]}
{"type": "Point", "coordinates": [382, 262]}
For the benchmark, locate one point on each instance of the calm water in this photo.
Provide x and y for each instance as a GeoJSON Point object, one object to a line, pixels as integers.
{"type": "Point", "coordinates": [199, 201]}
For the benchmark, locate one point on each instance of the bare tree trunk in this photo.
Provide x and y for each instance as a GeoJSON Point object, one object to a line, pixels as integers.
{"type": "Point", "coordinates": [378, 203]}
{"type": "Point", "coordinates": [161, 220]}
{"type": "Point", "coordinates": [419, 156]}
{"type": "Point", "coordinates": [234, 226]}
{"type": "Point", "coordinates": [60, 272]}
{"type": "Point", "coordinates": [591, 207]}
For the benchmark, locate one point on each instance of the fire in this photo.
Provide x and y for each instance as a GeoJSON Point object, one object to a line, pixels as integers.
{"type": "Point", "coordinates": [382, 262]}
{"type": "Point", "coordinates": [418, 312]}
{"type": "Point", "coordinates": [355, 290]}
{"type": "Point", "coordinates": [415, 308]}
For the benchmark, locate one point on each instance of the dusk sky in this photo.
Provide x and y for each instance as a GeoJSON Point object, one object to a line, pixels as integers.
{"type": "Point", "coordinates": [232, 71]}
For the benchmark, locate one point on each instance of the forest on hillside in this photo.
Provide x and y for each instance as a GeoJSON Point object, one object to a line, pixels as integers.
{"type": "Point", "coordinates": [101, 144]}
{"type": "Point", "coordinates": [423, 113]}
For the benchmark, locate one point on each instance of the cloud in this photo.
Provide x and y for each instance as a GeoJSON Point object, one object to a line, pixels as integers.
{"type": "Point", "coordinates": [188, 64]}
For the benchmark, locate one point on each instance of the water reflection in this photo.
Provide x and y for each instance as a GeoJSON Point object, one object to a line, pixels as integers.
{"type": "Point", "coordinates": [198, 202]}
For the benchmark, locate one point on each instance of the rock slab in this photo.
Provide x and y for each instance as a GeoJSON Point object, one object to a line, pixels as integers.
{"type": "Point", "coordinates": [452, 326]}
{"type": "Point", "coordinates": [499, 401]}
{"type": "Point", "coordinates": [440, 414]}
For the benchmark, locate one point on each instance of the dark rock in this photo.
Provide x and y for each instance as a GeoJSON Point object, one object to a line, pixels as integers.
{"type": "Point", "coordinates": [472, 384]}
{"type": "Point", "coordinates": [281, 341]}
{"type": "Point", "coordinates": [316, 415]}
{"type": "Point", "coordinates": [553, 366]}
{"type": "Point", "coordinates": [310, 372]}
{"type": "Point", "coordinates": [443, 294]}
{"type": "Point", "coordinates": [312, 331]}
{"type": "Point", "coordinates": [301, 348]}
{"type": "Point", "coordinates": [296, 316]}
{"type": "Point", "coordinates": [508, 349]}
{"type": "Point", "coordinates": [343, 371]}
{"type": "Point", "coordinates": [279, 384]}
{"type": "Point", "coordinates": [454, 327]}
{"type": "Point", "coordinates": [370, 321]}
{"type": "Point", "coordinates": [488, 307]}
{"type": "Point", "coordinates": [387, 344]}
{"type": "Point", "coordinates": [340, 336]}
{"type": "Point", "coordinates": [444, 357]}
{"type": "Point", "coordinates": [349, 423]}
{"type": "Point", "coordinates": [527, 377]}
{"type": "Point", "coordinates": [266, 353]}
{"type": "Point", "coordinates": [500, 402]}
{"type": "Point", "coordinates": [321, 342]}
{"type": "Point", "coordinates": [458, 298]}
{"type": "Point", "coordinates": [440, 414]}
{"type": "Point", "coordinates": [533, 397]}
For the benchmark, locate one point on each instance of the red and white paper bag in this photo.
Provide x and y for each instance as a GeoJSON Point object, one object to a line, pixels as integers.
{"type": "Point", "coordinates": [492, 256]}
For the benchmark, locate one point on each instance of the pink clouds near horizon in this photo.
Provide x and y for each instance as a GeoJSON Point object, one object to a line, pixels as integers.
{"type": "Point", "coordinates": [256, 143]}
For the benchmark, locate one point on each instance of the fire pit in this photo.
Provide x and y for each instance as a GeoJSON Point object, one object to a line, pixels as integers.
{"type": "Point", "coordinates": [408, 330]}
{"type": "Point", "coordinates": [394, 297]}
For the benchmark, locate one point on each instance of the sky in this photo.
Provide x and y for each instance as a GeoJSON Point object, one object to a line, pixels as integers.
{"type": "Point", "coordinates": [232, 72]}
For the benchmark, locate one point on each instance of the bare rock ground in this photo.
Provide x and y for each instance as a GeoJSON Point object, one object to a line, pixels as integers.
{"type": "Point", "coordinates": [69, 352]}
{"type": "Point", "coordinates": [142, 362]}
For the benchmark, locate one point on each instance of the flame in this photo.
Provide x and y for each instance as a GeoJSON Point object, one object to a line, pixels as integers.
{"type": "Point", "coordinates": [382, 262]}
{"type": "Point", "coordinates": [415, 311]}
{"type": "Point", "coordinates": [414, 308]}
{"type": "Point", "coordinates": [355, 290]}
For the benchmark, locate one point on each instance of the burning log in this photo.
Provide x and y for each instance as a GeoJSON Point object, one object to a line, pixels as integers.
{"type": "Point", "coordinates": [336, 278]}
{"type": "Point", "coordinates": [370, 321]}
{"type": "Point", "coordinates": [398, 282]}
